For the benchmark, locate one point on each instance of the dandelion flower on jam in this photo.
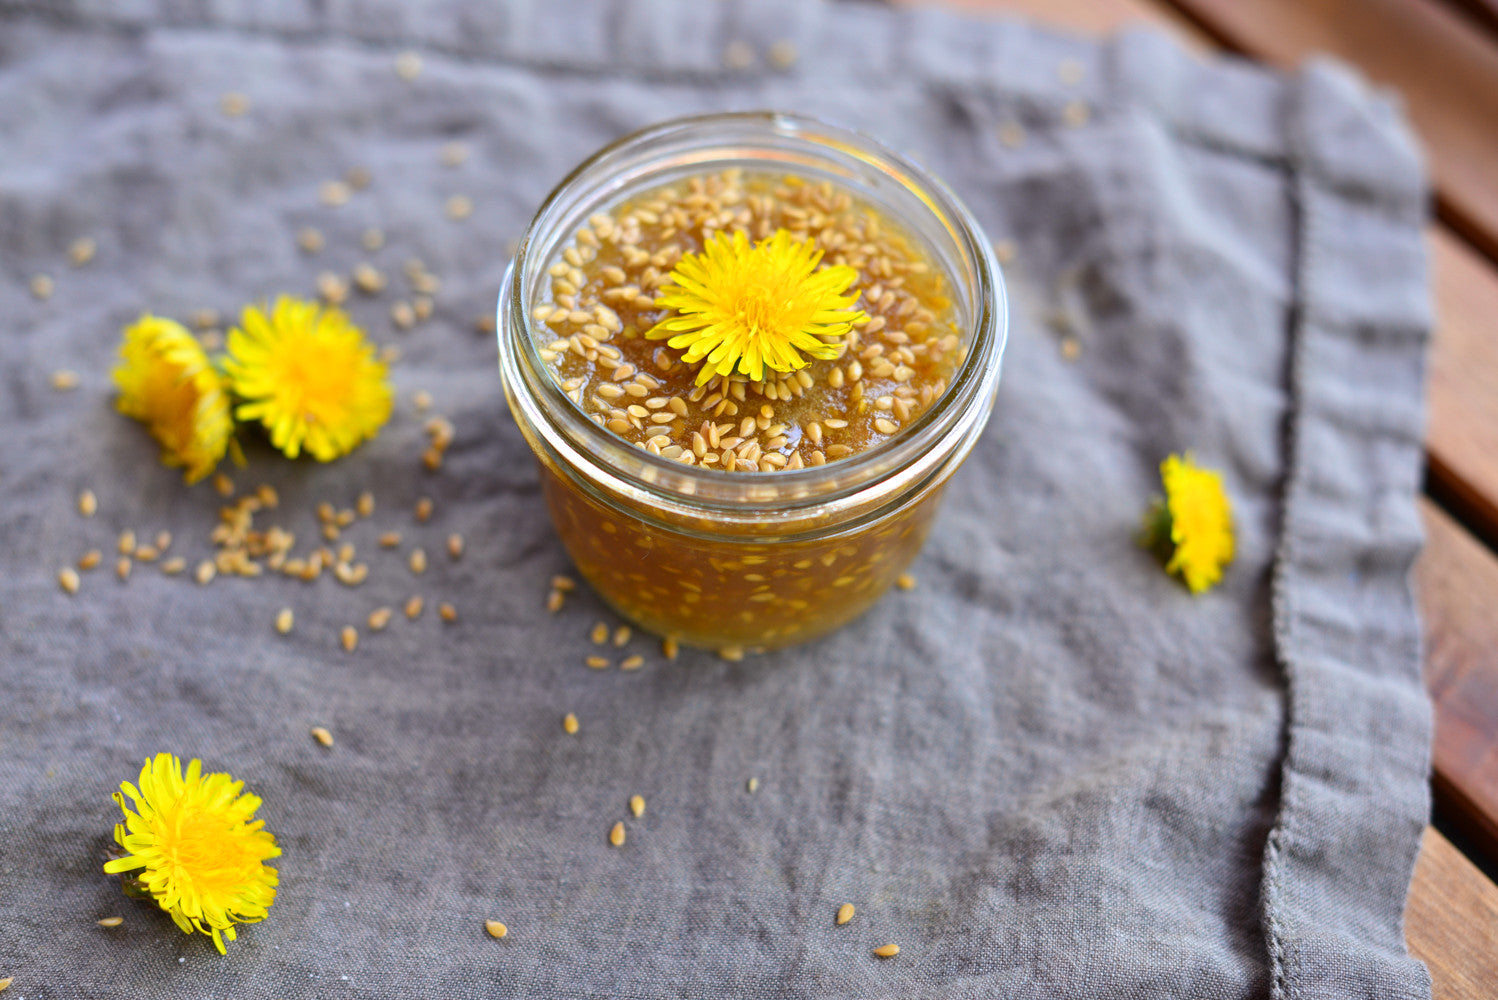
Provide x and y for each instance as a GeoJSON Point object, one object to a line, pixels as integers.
{"type": "Point", "coordinates": [307, 374]}
{"type": "Point", "coordinates": [167, 383]}
{"type": "Point", "coordinates": [1191, 529]}
{"type": "Point", "coordinates": [195, 848]}
{"type": "Point", "coordinates": [756, 306]}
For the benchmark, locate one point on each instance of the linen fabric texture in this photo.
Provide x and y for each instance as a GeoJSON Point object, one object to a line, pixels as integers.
{"type": "Point", "coordinates": [1047, 771]}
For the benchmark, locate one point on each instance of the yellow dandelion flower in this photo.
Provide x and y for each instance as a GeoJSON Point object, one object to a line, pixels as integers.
{"type": "Point", "coordinates": [756, 306]}
{"type": "Point", "coordinates": [1191, 529]}
{"type": "Point", "coordinates": [167, 383]}
{"type": "Point", "coordinates": [201, 850]}
{"type": "Point", "coordinates": [308, 375]}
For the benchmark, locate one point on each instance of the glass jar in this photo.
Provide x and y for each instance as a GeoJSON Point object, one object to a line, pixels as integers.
{"type": "Point", "coordinates": [749, 560]}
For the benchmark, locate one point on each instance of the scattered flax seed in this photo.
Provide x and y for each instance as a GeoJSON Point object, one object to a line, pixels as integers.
{"type": "Point", "coordinates": [333, 193]}
{"type": "Point", "coordinates": [1075, 114]}
{"type": "Point", "coordinates": [310, 240]}
{"type": "Point", "coordinates": [455, 546]}
{"type": "Point", "coordinates": [88, 504]}
{"type": "Point", "coordinates": [82, 251]}
{"type": "Point", "coordinates": [637, 805]}
{"type": "Point", "coordinates": [372, 240]}
{"type": "Point", "coordinates": [1071, 348]}
{"type": "Point", "coordinates": [5, 983]}
{"type": "Point", "coordinates": [484, 325]}
{"type": "Point", "coordinates": [1004, 251]}
{"type": "Point", "coordinates": [205, 572]}
{"type": "Point", "coordinates": [174, 566]}
{"type": "Point", "coordinates": [632, 662]}
{"type": "Point", "coordinates": [402, 315]}
{"type": "Point", "coordinates": [332, 288]}
{"type": "Point", "coordinates": [459, 207]}
{"type": "Point", "coordinates": [90, 559]}
{"type": "Point", "coordinates": [390, 539]}
{"type": "Point", "coordinates": [223, 485]}
{"type": "Point", "coordinates": [597, 662]}
{"type": "Point", "coordinates": [146, 553]}
{"type": "Point", "coordinates": [42, 287]}
{"type": "Point", "coordinates": [423, 509]}
{"type": "Point", "coordinates": [422, 400]}
{"type": "Point", "coordinates": [64, 379]}
{"type": "Point", "coordinates": [454, 154]}
{"type": "Point", "coordinates": [738, 56]}
{"type": "Point", "coordinates": [752, 785]}
{"type": "Point", "coordinates": [418, 561]}
{"type": "Point", "coordinates": [205, 319]}
{"type": "Point", "coordinates": [555, 600]}
{"type": "Point", "coordinates": [569, 724]}
{"type": "Point", "coordinates": [564, 583]}
{"type": "Point", "coordinates": [368, 279]}
{"type": "Point", "coordinates": [414, 606]}
{"type": "Point", "coordinates": [447, 612]}
{"type": "Point", "coordinates": [600, 634]}
{"type": "Point", "coordinates": [733, 654]}
{"type": "Point", "coordinates": [669, 648]}
{"type": "Point", "coordinates": [111, 921]}
{"type": "Point", "coordinates": [365, 505]}
{"type": "Point", "coordinates": [163, 540]}
{"type": "Point", "coordinates": [408, 65]}
{"type": "Point", "coordinates": [616, 834]}
{"type": "Point", "coordinates": [905, 581]}
{"type": "Point", "coordinates": [234, 104]}
{"type": "Point", "coordinates": [127, 542]}
{"type": "Point", "coordinates": [358, 178]}
{"type": "Point", "coordinates": [621, 635]}
{"type": "Point", "coordinates": [782, 54]}
{"type": "Point", "coordinates": [496, 929]}
{"type": "Point", "coordinates": [349, 637]}
{"type": "Point", "coordinates": [379, 618]}
{"type": "Point", "coordinates": [284, 621]}
{"type": "Point", "coordinates": [122, 567]}
{"type": "Point", "coordinates": [322, 736]}
{"type": "Point", "coordinates": [67, 577]}
{"type": "Point", "coordinates": [844, 914]}
{"type": "Point", "coordinates": [1012, 135]}
{"type": "Point", "coordinates": [887, 950]}
{"type": "Point", "coordinates": [432, 459]}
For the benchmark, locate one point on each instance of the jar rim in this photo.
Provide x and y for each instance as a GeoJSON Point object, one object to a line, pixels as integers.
{"type": "Point", "coordinates": [940, 436]}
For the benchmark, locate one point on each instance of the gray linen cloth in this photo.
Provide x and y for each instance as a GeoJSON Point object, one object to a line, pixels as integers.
{"type": "Point", "coordinates": [1046, 772]}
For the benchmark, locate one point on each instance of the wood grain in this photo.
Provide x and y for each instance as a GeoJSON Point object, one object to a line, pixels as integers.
{"type": "Point", "coordinates": [1451, 922]}
{"type": "Point", "coordinates": [1445, 68]}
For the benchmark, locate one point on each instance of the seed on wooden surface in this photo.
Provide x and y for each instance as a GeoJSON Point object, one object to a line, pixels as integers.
{"type": "Point", "coordinates": [322, 736]}
{"type": "Point", "coordinates": [67, 578]}
{"type": "Point", "coordinates": [600, 634]}
{"type": "Point", "coordinates": [88, 504]}
{"type": "Point", "coordinates": [554, 601]}
{"type": "Point", "coordinates": [455, 546]}
{"type": "Point", "coordinates": [90, 559]}
{"type": "Point", "coordinates": [414, 606]}
{"type": "Point", "coordinates": [111, 921]}
{"type": "Point", "coordinates": [496, 929]}
{"type": "Point", "coordinates": [454, 154]}
{"type": "Point", "coordinates": [637, 805]}
{"type": "Point", "coordinates": [146, 553]}
{"type": "Point", "coordinates": [365, 505]}
{"type": "Point", "coordinates": [418, 561]}
{"type": "Point", "coordinates": [621, 635]}
{"type": "Point", "coordinates": [349, 637]}
{"type": "Point", "coordinates": [597, 662]}
{"type": "Point", "coordinates": [423, 509]}
{"type": "Point", "coordinates": [174, 565]}
{"type": "Point", "coordinates": [358, 178]}
{"type": "Point", "coordinates": [205, 572]}
{"type": "Point", "coordinates": [310, 240]}
{"type": "Point", "coordinates": [42, 287]}
{"type": "Point", "coordinates": [844, 914]}
{"type": "Point", "coordinates": [905, 581]}
{"type": "Point", "coordinates": [402, 315]}
{"type": "Point", "coordinates": [669, 648]}
{"type": "Point", "coordinates": [122, 567]}
{"type": "Point", "coordinates": [368, 279]}
{"type": "Point", "coordinates": [379, 618]}
{"type": "Point", "coordinates": [333, 193]}
{"type": "Point", "coordinates": [616, 834]}
{"type": "Point", "coordinates": [632, 662]}
{"type": "Point", "coordinates": [422, 306]}
{"type": "Point", "coordinates": [752, 785]}
{"type": "Point", "coordinates": [782, 54]}
{"type": "Point", "coordinates": [887, 950]}
{"type": "Point", "coordinates": [284, 621]}
{"type": "Point", "coordinates": [447, 612]}
{"type": "Point", "coordinates": [234, 104]}
{"type": "Point", "coordinates": [459, 207]}
{"type": "Point", "coordinates": [569, 724]}
{"type": "Point", "coordinates": [390, 539]}
{"type": "Point", "coordinates": [408, 65]}
{"type": "Point", "coordinates": [732, 653]}
{"type": "Point", "coordinates": [1075, 114]}
{"type": "Point", "coordinates": [64, 379]}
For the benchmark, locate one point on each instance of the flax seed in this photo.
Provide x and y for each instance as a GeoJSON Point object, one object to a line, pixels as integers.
{"type": "Point", "coordinates": [205, 572]}
{"type": "Point", "coordinates": [751, 786]}
{"type": "Point", "coordinates": [322, 736]}
{"type": "Point", "coordinates": [408, 65]}
{"type": "Point", "coordinates": [423, 509]}
{"type": "Point", "coordinates": [600, 634]}
{"type": "Point", "coordinates": [616, 835]}
{"type": "Point", "coordinates": [67, 578]}
{"type": "Point", "coordinates": [402, 315]}
{"type": "Point", "coordinates": [122, 567]}
{"type": "Point", "coordinates": [310, 240]}
{"type": "Point", "coordinates": [368, 279]}
{"type": "Point", "coordinates": [621, 635]}
{"type": "Point", "coordinates": [81, 251]}
{"type": "Point", "coordinates": [174, 566]}
{"type": "Point", "coordinates": [597, 662]}
{"type": "Point", "coordinates": [555, 600]}
{"type": "Point", "coordinates": [64, 379]}
{"type": "Point", "coordinates": [887, 950]}
{"type": "Point", "coordinates": [455, 546]}
{"type": "Point", "coordinates": [632, 662]}
{"type": "Point", "coordinates": [414, 606]}
{"type": "Point", "coordinates": [454, 154]}
{"type": "Point", "coordinates": [379, 618]}
{"type": "Point", "coordinates": [42, 287]}
{"type": "Point", "coordinates": [111, 921]}
{"type": "Point", "coordinates": [90, 559]}
{"type": "Point", "coordinates": [844, 914]}
{"type": "Point", "coordinates": [496, 929]}
{"type": "Point", "coordinates": [637, 806]}
{"type": "Point", "coordinates": [459, 207]}
{"type": "Point", "coordinates": [284, 621]}
{"type": "Point", "coordinates": [88, 504]}
{"type": "Point", "coordinates": [349, 637]}
{"type": "Point", "coordinates": [569, 724]}
{"type": "Point", "coordinates": [905, 581]}
{"type": "Point", "coordinates": [447, 612]}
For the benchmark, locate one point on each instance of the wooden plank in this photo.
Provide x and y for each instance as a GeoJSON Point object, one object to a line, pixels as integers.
{"type": "Point", "coordinates": [1451, 922]}
{"type": "Point", "coordinates": [1445, 68]}
{"type": "Point", "coordinates": [1457, 582]}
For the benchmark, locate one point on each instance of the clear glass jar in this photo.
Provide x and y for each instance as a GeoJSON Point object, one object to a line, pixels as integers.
{"type": "Point", "coordinates": [759, 559]}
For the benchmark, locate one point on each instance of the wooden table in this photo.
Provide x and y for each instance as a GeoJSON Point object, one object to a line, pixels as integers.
{"type": "Point", "coordinates": [1442, 55]}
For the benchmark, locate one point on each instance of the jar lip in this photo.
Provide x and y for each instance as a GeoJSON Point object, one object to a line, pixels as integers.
{"type": "Point", "coordinates": [974, 380]}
